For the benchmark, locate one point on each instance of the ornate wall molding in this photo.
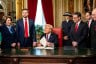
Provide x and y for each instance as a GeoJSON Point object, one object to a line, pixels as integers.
{"type": "Point", "coordinates": [4, 7]}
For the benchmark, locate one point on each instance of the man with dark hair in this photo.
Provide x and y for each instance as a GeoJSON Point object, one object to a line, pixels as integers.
{"type": "Point", "coordinates": [89, 18]}
{"type": "Point", "coordinates": [89, 21]}
{"type": "Point", "coordinates": [79, 31]}
{"type": "Point", "coordinates": [66, 26]}
{"type": "Point", "coordinates": [26, 35]}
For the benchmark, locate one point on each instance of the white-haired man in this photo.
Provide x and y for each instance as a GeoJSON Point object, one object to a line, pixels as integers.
{"type": "Point", "coordinates": [51, 38]}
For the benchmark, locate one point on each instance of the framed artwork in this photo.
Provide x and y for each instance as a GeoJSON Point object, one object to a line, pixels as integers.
{"type": "Point", "coordinates": [88, 5]}
{"type": "Point", "coordinates": [71, 6]}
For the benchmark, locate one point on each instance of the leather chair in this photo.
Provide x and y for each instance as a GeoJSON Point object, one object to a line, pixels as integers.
{"type": "Point", "coordinates": [58, 31]}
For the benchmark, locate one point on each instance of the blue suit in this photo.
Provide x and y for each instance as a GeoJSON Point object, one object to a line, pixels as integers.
{"type": "Point", "coordinates": [7, 37]}
{"type": "Point", "coordinates": [20, 33]}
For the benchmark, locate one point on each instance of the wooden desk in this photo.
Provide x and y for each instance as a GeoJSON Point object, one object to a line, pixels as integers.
{"type": "Point", "coordinates": [42, 56]}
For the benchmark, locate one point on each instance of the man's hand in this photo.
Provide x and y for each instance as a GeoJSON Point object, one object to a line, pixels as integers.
{"type": "Point", "coordinates": [13, 44]}
{"type": "Point", "coordinates": [75, 44]}
{"type": "Point", "coordinates": [49, 44]}
{"type": "Point", "coordinates": [39, 44]}
{"type": "Point", "coordinates": [34, 44]}
{"type": "Point", "coordinates": [65, 37]}
{"type": "Point", "coordinates": [18, 44]}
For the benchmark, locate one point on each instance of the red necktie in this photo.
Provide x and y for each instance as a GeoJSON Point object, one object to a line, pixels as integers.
{"type": "Point", "coordinates": [89, 24]}
{"type": "Point", "coordinates": [26, 29]}
{"type": "Point", "coordinates": [76, 27]}
{"type": "Point", "coordinates": [47, 37]}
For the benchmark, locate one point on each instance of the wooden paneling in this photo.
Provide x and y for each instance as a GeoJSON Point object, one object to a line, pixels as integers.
{"type": "Point", "coordinates": [62, 6]}
{"type": "Point", "coordinates": [58, 12]}
{"type": "Point", "coordinates": [40, 63]}
{"type": "Point", "coordinates": [59, 7]}
{"type": "Point", "coordinates": [18, 9]}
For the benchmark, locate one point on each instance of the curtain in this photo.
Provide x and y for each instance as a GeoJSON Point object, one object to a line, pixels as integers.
{"type": "Point", "coordinates": [32, 6]}
{"type": "Point", "coordinates": [48, 11]}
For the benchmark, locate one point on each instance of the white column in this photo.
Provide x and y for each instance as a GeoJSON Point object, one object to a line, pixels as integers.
{"type": "Point", "coordinates": [25, 3]}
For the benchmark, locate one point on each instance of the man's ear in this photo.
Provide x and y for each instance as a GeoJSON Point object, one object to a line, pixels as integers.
{"type": "Point", "coordinates": [79, 18]}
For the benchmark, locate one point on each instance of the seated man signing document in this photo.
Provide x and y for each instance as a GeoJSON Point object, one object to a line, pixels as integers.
{"type": "Point", "coordinates": [48, 39]}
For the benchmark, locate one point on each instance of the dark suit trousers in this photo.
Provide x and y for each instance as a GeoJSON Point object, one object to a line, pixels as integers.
{"type": "Point", "coordinates": [27, 43]}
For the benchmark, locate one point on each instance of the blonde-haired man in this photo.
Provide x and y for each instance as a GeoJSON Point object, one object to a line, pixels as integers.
{"type": "Point", "coordinates": [51, 38]}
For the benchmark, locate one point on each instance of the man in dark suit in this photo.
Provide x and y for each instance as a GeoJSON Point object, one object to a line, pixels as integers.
{"type": "Point", "coordinates": [51, 38]}
{"type": "Point", "coordinates": [79, 31]}
{"type": "Point", "coordinates": [66, 26]}
{"type": "Point", "coordinates": [26, 35]}
{"type": "Point", "coordinates": [8, 34]}
{"type": "Point", "coordinates": [93, 30]}
{"type": "Point", "coordinates": [89, 21]}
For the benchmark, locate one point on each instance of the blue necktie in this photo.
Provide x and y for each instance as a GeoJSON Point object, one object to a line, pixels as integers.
{"type": "Point", "coordinates": [10, 30]}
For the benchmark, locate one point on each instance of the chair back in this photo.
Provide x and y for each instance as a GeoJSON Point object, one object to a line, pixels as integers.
{"type": "Point", "coordinates": [58, 31]}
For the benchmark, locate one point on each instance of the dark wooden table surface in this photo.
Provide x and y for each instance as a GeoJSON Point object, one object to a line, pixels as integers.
{"type": "Point", "coordinates": [63, 55]}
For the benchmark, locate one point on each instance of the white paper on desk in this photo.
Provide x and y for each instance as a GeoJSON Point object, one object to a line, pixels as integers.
{"type": "Point", "coordinates": [49, 48]}
{"type": "Point", "coordinates": [41, 47]}
{"type": "Point", "coordinates": [43, 41]}
{"type": "Point", "coordinates": [44, 47]}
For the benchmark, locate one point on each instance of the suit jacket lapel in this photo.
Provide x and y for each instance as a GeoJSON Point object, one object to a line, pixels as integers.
{"type": "Point", "coordinates": [91, 23]}
{"type": "Point", "coordinates": [22, 25]}
{"type": "Point", "coordinates": [45, 36]}
{"type": "Point", "coordinates": [80, 26]}
{"type": "Point", "coordinates": [73, 28]}
{"type": "Point", "coordinates": [29, 24]}
{"type": "Point", "coordinates": [7, 29]}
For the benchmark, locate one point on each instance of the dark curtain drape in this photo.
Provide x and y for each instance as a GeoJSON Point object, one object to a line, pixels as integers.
{"type": "Point", "coordinates": [32, 6]}
{"type": "Point", "coordinates": [48, 11]}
